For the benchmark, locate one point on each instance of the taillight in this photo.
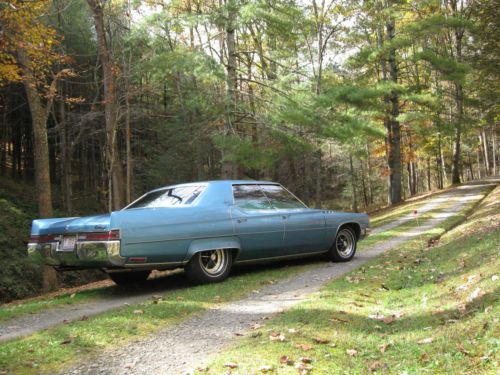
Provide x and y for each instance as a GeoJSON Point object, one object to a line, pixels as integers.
{"type": "Point", "coordinates": [100, 236]}
{"type": "Point", "coordinates": [44, 238]}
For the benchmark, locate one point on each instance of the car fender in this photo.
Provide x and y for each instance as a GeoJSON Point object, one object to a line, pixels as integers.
{"type": "Point", "coordinates": [211, 244]}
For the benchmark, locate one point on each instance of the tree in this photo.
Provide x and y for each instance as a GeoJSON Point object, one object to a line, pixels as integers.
{"type": "Point", "coordinates": [109, 70]}
{"type": "Point", "coordinates": [27, 55]}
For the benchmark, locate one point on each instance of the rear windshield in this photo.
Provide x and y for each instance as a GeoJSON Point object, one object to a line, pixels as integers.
{"type": "Point", "coordinates": [169, 197]}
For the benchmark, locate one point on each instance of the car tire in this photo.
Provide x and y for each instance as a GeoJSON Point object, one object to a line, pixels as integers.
{"type": "Point", "coordinates": [210, 266]}
{"type": "Point", "coordinates": [129, 278]}
{"type": "Point", "coordinates": [344, 246]}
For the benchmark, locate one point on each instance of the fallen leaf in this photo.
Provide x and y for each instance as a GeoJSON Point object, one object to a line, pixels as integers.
{"type": "Point", "coordinates": [374, 366]}
{"type": "Point", "coordinates": [340, 320]}
{"type": "Point", "coordinates": [230, 364]}
{"type": "Point", "coordinates": [304, 347]}
{"type": "Point", "coordinates": [389, 319]}
{"type": "Point", "coordinates": [239, 334]}
{"type": "Point", "coordinates": [318, 340]}
{"type": "Point", "coordinates": [276, 337]}
{"type": "Point", "coordinates": [356, 304]}
{"type": "Point", "coordinates": [494, 278]}
{"type": "Point", "coordinates": [284, 359]}
{"type": "Point", "coordinates": [475, 294]}
{"type": "Point", "coordinates": [303, 368]}
{"type": "Point", "coordinates": [427, 340]}
{"type": "Point", "coordinates": [255, 326]}
{"type": "Point", "coordinates": [85, 317]}
{"type": "Point", "coordinates": [129, 365]}
{"type": "Point", "coordinates": [138, 312]}
{"type": "Point", "coordinates": [66, 341]}
{"type": "Point", "coordinates": [461, 349]}
{"type": "Point", "coordinates": [305, 359]}
{"type": "Point", "coordinates": [352, 352]}
{"type": "Point", "coordinates": [292, 330]}
{"type": "Point", "coordinates": [383, 347]}
{"type": "Point", "coordinates": [72, 295]}
{"type": "Point", "coordinates": [265, 369]}
{"type": "Point", "coordinates": [179, 298]}
{"type": "Point", "coordinates": [488, 309]}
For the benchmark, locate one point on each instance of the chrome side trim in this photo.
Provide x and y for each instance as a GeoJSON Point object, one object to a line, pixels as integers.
{"type": "Point", "coordinates": [199, 238]}
{"type": "Point", "coordinates": [139, 265]}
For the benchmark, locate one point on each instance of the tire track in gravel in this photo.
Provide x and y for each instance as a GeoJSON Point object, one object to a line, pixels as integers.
{"type": "Point", "coordinates": [192, 343]}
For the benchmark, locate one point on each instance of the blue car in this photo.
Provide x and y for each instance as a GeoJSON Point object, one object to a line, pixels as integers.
{"type": "Point", "coordinates": [204, 227]}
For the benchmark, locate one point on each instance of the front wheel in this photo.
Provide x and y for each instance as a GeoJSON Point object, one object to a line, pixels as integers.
{"type": "Point", "coordinates": [129, 278]}
{"type": "Point", "coordinates": [344, 247]}
{"type": "Point", "coordinates": [209, 266]}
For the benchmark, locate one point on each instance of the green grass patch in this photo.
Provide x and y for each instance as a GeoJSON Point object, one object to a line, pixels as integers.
{"type": "Point", "coordinates": [409, 311]}
{"type": "Point", "coordinates": [58, 347]}
{"type": "Point", "coordinates": [15, 310]}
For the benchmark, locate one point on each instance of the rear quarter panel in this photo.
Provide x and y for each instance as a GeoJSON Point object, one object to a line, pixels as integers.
{"type": "Point", "coordinates": [165, 234]}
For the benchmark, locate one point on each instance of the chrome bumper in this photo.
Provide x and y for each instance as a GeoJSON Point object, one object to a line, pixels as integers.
{"type": "Point", "coordinates": [85, 254]}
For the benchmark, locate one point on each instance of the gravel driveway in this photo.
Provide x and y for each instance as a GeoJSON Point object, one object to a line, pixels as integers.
{"type": "Point", "coordinates": [192, 343]}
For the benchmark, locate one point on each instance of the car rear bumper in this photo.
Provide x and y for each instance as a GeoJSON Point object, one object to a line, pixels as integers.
{"type": "Point", "coordinates": [91, 254]}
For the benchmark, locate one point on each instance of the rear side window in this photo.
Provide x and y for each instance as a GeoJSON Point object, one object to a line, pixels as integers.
{"type": "Point", "coordinates": [280, 197]}
{"type": "Point", "coordinates": [176, 196]}
{"type": "Point", "coordinates": [250, 197]}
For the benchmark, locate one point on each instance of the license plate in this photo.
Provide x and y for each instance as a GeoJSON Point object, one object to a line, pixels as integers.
{"type": "Point", "coordinates": [68, 243]}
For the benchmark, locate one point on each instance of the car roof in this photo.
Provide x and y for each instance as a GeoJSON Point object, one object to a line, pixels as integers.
{"type": "Point", "coordinates": [218, 182]}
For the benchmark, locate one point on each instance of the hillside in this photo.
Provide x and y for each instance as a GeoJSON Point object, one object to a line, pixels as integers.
{"type": "Point", "coordinates": [20, 277]}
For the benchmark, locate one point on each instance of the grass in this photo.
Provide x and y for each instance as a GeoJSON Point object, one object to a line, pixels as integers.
{"type": "Point", "coordinates": [409, 311]}
{"type": "Point", "coordinates": [60, 346]}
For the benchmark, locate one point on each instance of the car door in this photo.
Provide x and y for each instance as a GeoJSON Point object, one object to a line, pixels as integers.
{"type": "Point", "coordinates": [259, 227]}
{"type": "Point", "coordinates": [305, 228]}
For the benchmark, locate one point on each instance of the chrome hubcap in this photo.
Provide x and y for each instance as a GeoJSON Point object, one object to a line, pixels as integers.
{"type": "Point", "coordinates": [345, 243]}
{"type": "Point", "coordinates": [213, 262]}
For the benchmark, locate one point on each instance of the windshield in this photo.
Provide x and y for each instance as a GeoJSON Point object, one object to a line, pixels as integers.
{"type": "Point", "coordinates": [169, 197]}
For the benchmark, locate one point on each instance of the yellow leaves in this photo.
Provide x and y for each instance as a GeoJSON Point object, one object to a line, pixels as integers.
{"type": "Point", "coordinates": [23, 29]}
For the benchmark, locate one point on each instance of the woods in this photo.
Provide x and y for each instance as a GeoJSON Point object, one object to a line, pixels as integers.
{"type": "Point", "coordinates": [352, 104]}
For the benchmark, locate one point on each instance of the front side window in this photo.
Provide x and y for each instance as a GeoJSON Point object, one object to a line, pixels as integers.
{"type": "Point", "coordinates": [169, 197]}
{"type": "Point", "coordinates": [250, 197]}
{"type": "Point", "coordinates": [281, 198]}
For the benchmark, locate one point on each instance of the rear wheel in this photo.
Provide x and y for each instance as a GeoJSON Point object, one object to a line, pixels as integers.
{"type": "Point", "coordinates": [129, 278]}
{"type": "Point", "coordinates": [344, 247]}
{"type": "Point", "coordinates": [209, 266]}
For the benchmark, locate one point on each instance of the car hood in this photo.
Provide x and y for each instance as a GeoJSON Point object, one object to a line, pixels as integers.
{"type": "Point", "coordinates": [97, 223]}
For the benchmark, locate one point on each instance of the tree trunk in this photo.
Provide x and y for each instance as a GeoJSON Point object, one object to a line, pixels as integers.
{"type": "Point", "coordinates": [429, 174]}
{"type": "Point", "coordinates": [459, 102]}
{"type": "Point", "coordinates": [353, 185]}
{"type": "Point", "coordinates": [115, 172]}
{"type": "Point", "coordinates": [318, 179]}
{"type": "Point", "coordinates": [228, 166]}
{"type": "Point", "coordinates": [39, 116]}
{"type": "Point", "coordinates": [394, 142]}
{"type": "Point", "coordinates": [485, 150]}
{"type": "Point", "coordinates": [494, 153]}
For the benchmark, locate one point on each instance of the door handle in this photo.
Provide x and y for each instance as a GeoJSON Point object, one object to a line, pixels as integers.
{"type": "Point", "coordinates": [241, 220]}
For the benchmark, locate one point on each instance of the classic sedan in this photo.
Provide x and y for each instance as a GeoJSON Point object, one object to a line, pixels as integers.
{"type": "Point", "coordinates": [204, 227]}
